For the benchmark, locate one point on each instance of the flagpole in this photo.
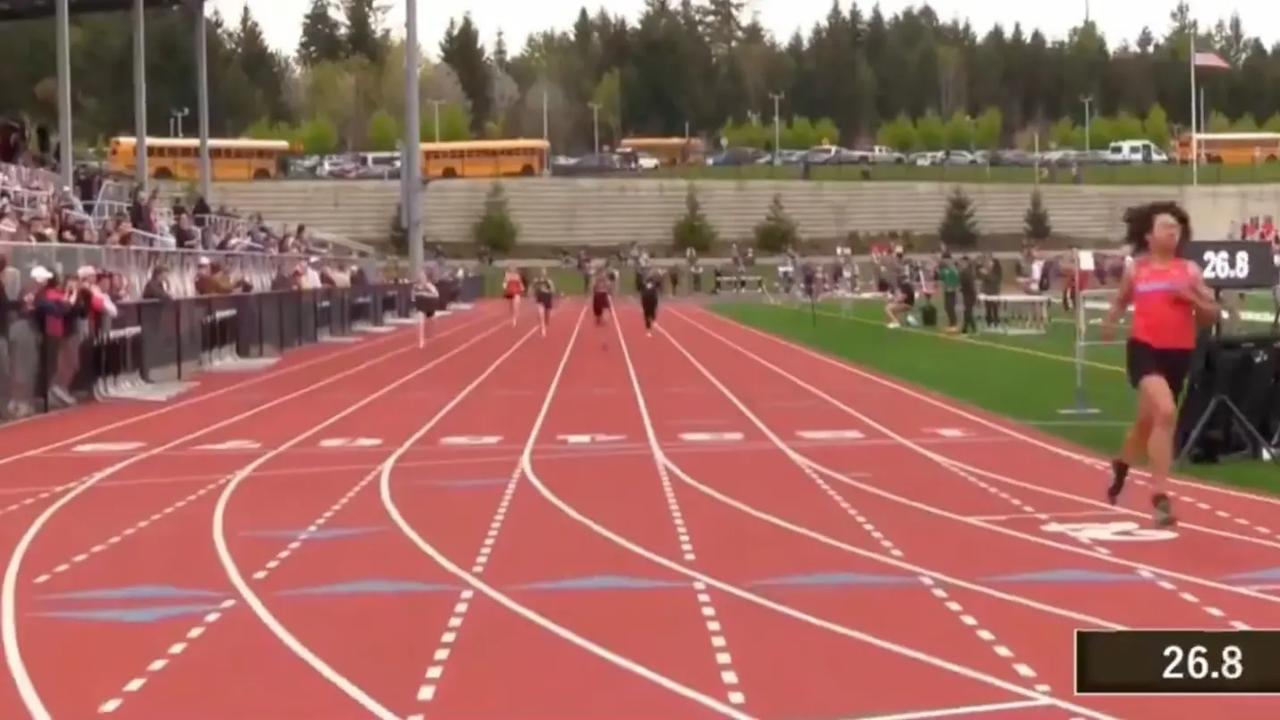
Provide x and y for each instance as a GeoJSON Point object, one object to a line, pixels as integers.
{"type": "Point", "coordinates": [1195, 150]}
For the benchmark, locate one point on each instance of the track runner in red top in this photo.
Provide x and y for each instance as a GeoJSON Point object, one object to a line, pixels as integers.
{"type": "Point", "coordinates": [940, 511]}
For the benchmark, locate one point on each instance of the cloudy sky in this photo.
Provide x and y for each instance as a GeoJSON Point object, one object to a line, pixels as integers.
{"type": "Point", "coordinates": [517, 18]}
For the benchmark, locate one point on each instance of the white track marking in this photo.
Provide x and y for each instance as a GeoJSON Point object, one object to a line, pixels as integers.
{"type": "Point", "coordinates": [248, 382]}
{"type": "Point", "coordinates": [159, 663]}
{"type": "Point", "coordinates": [965, 710]}
{"type": "Point", "coordinates": [140, 525]}
{"type": "Point", "coordinates": [431, 678]}
{"type": "Point", "coordinates": [250, 595]}
{"type": "Point", "coordinates": [8, 592]}
{"type": "Point", "coordinates": [788, 611]}
{"type": "Point", "coordinates": [506, 601]}
{"type": "Point", "coordinates": [949, 464]}
{"type": "Point", "coordinates": [705, 605]}
{"type": "Point", "coordinates": [176, 649]}
{"type": "Point", "coordinates": [957, 410]}
{"type": "Point", "coordinates": [1021, 669]}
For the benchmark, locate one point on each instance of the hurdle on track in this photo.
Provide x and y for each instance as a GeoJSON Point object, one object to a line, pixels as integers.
{"type": "Point", "coordinates": [1019, 314]}
{"type": "Point", "coordinates": [1091, 306]}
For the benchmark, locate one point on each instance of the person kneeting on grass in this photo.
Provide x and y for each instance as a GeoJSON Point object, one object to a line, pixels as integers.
{"type": "Point", "coordinates": [1169, 295]}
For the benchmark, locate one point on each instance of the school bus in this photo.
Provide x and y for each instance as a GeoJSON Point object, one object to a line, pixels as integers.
{"type": "Point", "coordinates": [1232, 148]}
{"type": "Point", "coordinates": [485, 158]}
{"type": "Point", "coordinates": [179, 158]}
{"type": "Point", "coordinates": [668, 150]}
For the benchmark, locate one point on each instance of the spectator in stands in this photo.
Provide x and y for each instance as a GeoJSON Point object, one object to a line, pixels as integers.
{"type": "Point", "coordinates": [54, 306]}
{"type": "Point", "coordinates": [204, 277]}
{"type": "Point", "coordinates": [185, 234]}
{"type": "Point", "coordinates": [201, 211]}
{"type": "Point", "coordinates": [157, 287]}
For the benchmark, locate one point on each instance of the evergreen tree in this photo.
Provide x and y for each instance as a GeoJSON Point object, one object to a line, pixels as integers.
{"type": "Point", "coordinates": [365, 36]}
{"type": "Point", "coordinates": [261, 65]}
{"type": "Point", "coordinates": [1036, 221]}
{"type": "Point", "coordinates": [461, 50]}
{"type": "Point", "coordinates": [778, 230]}
{"type": "Point", "coordinates": [693, 230]}
{"type": "Point", "coordinates": [958, 229]}
{"type": "Point", "coordinates": [500, 58]}
{"type": "Point", "coordinates": [495, 230]}
{"type": "Point", "coordinates": [321, 38]}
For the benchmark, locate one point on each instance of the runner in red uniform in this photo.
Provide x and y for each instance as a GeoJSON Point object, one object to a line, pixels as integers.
{"type": "Point", "coordinates": [512, 289]}
{"type": "Point", "coordinates": [1168, 295]}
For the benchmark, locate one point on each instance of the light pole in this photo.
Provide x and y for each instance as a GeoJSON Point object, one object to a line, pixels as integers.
{"type": "Point", "coordinates": [777, 128]}
{"type": "Point", "coordinates": [595, 124]}
{"type": "Point", "coordinates": [1088, 119]}
{"type": "Point", "coordinates": [435, 121]}
{"type": "Point", "coordinates": [176, 121]}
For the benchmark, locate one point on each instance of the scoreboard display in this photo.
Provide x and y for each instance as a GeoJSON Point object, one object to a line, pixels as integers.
{"type": "Point", "coordinates": [1228, 264]}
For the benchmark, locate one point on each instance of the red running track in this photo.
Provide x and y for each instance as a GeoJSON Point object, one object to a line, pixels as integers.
{"type": "Point", "coordinates": [593, 524]}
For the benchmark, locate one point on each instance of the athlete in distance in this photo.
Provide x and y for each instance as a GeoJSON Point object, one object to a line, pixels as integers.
{"type": "Point", "coordinates": [543, 291]}
{"type": "Point", "coordinates": [512, 290]}
{"type": "Point", "coordinates": [1169, 296]}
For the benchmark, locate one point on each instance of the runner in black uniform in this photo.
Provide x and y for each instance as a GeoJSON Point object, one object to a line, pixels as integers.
{"type": "Point", "coordinates": [902, 302]}
{"type": "Point", "coordinates": [650, 288]}
{"type": "Point", "coordinates": [600, 289]}
{"type": "Point", "coordinates": [543, 292]}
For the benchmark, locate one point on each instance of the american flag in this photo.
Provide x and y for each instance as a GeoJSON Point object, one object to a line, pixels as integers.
{"type": "Point", "coordinates": [1211, 60]}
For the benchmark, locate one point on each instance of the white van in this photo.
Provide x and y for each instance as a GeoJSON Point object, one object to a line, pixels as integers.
{"type": "Point", "coordinates": [1132, 152]}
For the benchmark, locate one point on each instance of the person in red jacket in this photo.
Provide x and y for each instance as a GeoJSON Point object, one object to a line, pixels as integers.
{"type": "Point", "coordinates": [1169, 297]}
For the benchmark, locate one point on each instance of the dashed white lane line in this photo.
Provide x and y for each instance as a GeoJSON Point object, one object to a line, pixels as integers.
{"type": "Point", "coordinates": [966, 618]}
{"type": "Point", "coordinates": [27, 502]}
{"type": "Point", "coordinates": [448, 638]}
{"type": "Point", "coordinates": [176, 649]}
{"type": "Point", "coordinates": [155, 666]}
{"type": "Point", "coordinates": [706, 607]}
{"type": "Point", "coordinates": [1162, 583]}
{"type": "Point", "coordinates": [133, 529]}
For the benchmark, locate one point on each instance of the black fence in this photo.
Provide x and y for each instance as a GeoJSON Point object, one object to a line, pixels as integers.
{"type": "Point", "coordinates": [151, 349]}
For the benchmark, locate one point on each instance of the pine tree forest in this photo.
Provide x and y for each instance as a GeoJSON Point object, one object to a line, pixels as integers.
{"type": "Point", "coordinates": [910, 80]}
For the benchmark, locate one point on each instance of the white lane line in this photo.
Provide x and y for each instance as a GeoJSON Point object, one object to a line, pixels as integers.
{"type": "Point", "coordinates": [31, 699]}
{"type": "Point", "coordinates": [250, 595]}
{"type": "Point", "coordinates": [506, 601]}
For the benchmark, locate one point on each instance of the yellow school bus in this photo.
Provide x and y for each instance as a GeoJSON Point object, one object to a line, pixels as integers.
{"type": "Point", "coordinates": [485, 158]}
{"type": "Point", "coordinates": [1245, 148]}
{"type": "Point", "coordinates": [179, 158]}
{"type": "Point", "coordinates": [668, 150]}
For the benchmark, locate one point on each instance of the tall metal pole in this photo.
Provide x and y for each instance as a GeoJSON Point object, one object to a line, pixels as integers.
{"type": "Point", "coordinates": [140, 173]}
{"type": "Point", "coordinates": [435, 118]}
{"type": "Point", "coordinates": [66, 158]}
{"type": "Point", "coordinates": [202, 102]}
{"type": "Point", "coordinates": [1195, 129]}
{"type": "Point", "coordinates": [1088, 121]}
{"type": "Point", "coordinates": [595, 125]}
{"type": "Point", "coordinates": [546, 126]}
{"type": "Point", "coordinates": [777, 129]}
{"type": "Point", "coordinates": [413, 141]}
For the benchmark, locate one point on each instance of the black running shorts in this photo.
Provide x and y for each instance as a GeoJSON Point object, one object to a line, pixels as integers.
{"type": "Point", "coordinates": [1172, 364]}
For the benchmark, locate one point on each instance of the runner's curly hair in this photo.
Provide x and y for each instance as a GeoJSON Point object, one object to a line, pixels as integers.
{"type": "Point", "coordinates": [1140, 219]}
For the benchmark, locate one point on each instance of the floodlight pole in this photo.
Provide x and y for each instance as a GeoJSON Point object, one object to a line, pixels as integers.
{"type": "Point", "coordinates": [202, 101]}
{"type": "Point", "coordinates": [65, 156]}
{"type": "Point", "coordinates": [411, 159]}
{"type": "Point", "coordinates": [140, 172]}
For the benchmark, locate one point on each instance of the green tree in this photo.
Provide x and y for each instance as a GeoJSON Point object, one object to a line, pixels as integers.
{"type": "Point", "coordinates": [1246, 123]}
{"type": "Point", "coordinates": [495, 230]}
{"type": "Point", "coordinates": [1036, 221]}
{"type": "Point", "coordinates": [899, 134]}
{"type": "Point", "coordinates": [455, 124]}
{"type": "Point", "coordinates": [989, 128]}
{"type": "Point", "coordinates": [319, 136]}
{"type": "Point", "coordinates": [321, 39]}
{"type": "Point", "coordinates": [1156, 126]}
{"type": "Point", "coordinates": [799, 134]}
{"type": "Point", "coordinates": [384, 132]}
{"type": "Point", "coordinates": [1219, 122]}
{"type": "Point", "coordinates": [693, 230]}
{"type": "Point", "coordinates": [365, 36]}
{"type": "Point", "coordinates": [1272, 124]}
{"type": "Point", "coordinates": [827, 131]}
{"type": "Point", "coordinates": [1063, 134]}
{"type": "Point", "coordinates": [608, 95]}
{"type": "Point", "coordinates": [1124, 126]}
{"type": "Point", "coordinates": [778, 230]}
{"type": "Point", "coordinates": [959, 228]}
{"type": "Point", "coordinates": [958, 134]}
{"type": "Point", "coordinates": [462, 51]}
{"type": "Point", "coordinates": [931, 131]}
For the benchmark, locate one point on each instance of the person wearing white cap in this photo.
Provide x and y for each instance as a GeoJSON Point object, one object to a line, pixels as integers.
{"type": "Point", "coordinates": [41, 274]}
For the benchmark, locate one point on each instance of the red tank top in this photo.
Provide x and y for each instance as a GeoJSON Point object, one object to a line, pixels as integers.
{"type": "Point", "coordinates": [1161, 319]}
{"type": "Point", "coordinates": [514, 285]}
